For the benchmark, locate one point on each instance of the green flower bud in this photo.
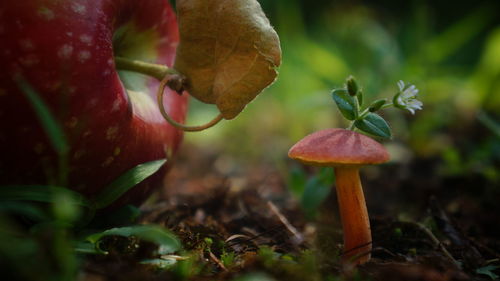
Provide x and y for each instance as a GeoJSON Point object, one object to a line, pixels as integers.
{"type": "Point", "coordinates": [376, 105]}
{"type": "Point", "coordinates": [352, 86]}
{"type": "Point", "coordinates": [360, 97]}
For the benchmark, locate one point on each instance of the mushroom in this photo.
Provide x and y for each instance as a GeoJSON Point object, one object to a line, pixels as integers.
{"type": "Point", "coordinates": [346, 151]}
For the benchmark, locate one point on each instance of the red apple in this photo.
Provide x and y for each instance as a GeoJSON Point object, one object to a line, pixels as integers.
{"type": "Point", "coordinates": [65, 50]}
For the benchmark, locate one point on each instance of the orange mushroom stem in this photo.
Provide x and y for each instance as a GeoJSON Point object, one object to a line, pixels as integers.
{"type": "Point", "coordinates": [354, 216]}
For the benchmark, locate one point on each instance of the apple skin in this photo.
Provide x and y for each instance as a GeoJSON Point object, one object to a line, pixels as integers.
{"type": "Point", "coordinates": [65, 50]}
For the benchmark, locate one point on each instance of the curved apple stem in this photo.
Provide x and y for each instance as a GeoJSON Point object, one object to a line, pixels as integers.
{"type": "Point", "coordinates": [157, 71]}
{"type": "Point", "coordinates": [354, 216]}
{"type": "Point", "coordinates": [167, 76]}
{"type": "Point", "coordinates": [166, 80]}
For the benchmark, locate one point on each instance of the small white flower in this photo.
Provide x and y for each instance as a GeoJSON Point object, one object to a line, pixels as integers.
{"type": "Point", "coordinates": [407, 97]}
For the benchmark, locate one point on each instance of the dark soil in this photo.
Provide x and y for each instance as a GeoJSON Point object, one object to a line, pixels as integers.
{"type": "Point", "coordinates": [425, 227]}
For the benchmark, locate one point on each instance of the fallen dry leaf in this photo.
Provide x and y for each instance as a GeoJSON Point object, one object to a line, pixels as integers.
{"type": "Point", "coordinates": [228, 51]}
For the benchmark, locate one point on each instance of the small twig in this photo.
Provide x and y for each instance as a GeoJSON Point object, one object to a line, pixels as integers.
{"type": "Point", "coordinates": [276, 228]}
{"type": "Point", "coordinates": [492, 261]}
{"type": "Point", "coordinates": [298, 237]}
{"type": "Point", "coordinates": [236, 236]}
{"type": "Point", "coordinates": [217, 261]}
{"type": "Point", "coordinates": [384, 250]}
{"type": "Point", "coordinates": [174, 257]}
{"type": "Point", "coordinates": [445, 225]}
{"type": "Point", "coordinates": [484, 248]}
{"type": "Point", "coordinates": [471, 255]}
{"type": "Point", "coordinates": [436, 242]}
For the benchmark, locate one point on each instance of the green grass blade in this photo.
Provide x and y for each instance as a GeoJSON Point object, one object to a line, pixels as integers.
{"type": "Point", "coordinates": [49, 123]}
{"type": "Point", "coordinates": [458, 34]}
{"type": "Point", "coordinates": [28, 210]}
{"type": "Point", "coordinates": [489, 123]}
{"type": "Point", "coordinates": [87, 248]}
{"type": "Point", "coordinates": [126, 181]}
{"type": "Point", "coordinates": [151, 233]}
{"type": "Point", "coordinates": [39, 193]}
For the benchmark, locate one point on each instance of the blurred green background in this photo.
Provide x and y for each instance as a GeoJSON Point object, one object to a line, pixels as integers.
{"type": "Point", "coordinates": [450, 51]}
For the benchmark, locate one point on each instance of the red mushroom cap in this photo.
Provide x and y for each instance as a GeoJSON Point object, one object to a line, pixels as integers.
{"type": "Point", "coordinates": [338, 147]}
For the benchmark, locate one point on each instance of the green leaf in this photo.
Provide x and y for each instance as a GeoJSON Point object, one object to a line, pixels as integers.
{"type": "Point", "coordinates": [40, 193]}
{"type": "Point", "coordinates": [359, 96]}
{"type": "Point", "coordinates": [375, 125]}
{"type": "Point", "coordinates": [297, 181]}
{"type": "Point", "coordinates": [376, 105]}
{"type": "Point", "coordinates": [488, 271]}
{"type": "Point", "coordinates": [49, 123]}
{"type": "Point", "coordinates": [151, 233]}
{"type": "Point", "coordinates": [126, 181]}
{"type": "Point", "coordinates": [347, 104]}
{"type": "Point", "coordinates": [125, 215]}
{"type": "Point", "coordinates": [316, 191]}
{"type": "Point", "coordinates": [489, 122]}
{"type": "Point", "coordinates": [28, 210]}
{"type": "Point", "coordinates": [87, 248]}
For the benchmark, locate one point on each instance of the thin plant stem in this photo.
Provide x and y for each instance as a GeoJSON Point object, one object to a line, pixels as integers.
{"type": "Point", "coordinates": [364, 113]}
{"type": "Point", "coordinates": [157, 71]}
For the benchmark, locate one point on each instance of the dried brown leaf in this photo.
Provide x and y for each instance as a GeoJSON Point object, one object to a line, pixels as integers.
{"type": "Point", "coordinates": [228, 51]}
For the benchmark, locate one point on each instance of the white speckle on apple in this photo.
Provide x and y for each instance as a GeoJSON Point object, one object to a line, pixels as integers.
{"type": "Point", "coordinates": [72, 122]}
{"type": "Point", "coordinates": [117, 151]}
{"type": "Point", "coordinates": [116, 105]}
{"type": "Point", "coordinates": [39, 148]}
{"type": "Point", "coordinates": [110, 62]}
{"type": "Point", "coordinates": [87, 133]}
{"type": "Point", "coordinates": [169, 152]}
{"type": "Point", "coordinates": [83, 56]}
{"type": "Point", "coordinates": [29, 60]}
{"type": "Point", "coordinates": [46, 13]}
{"type": "Point", "coordinates": [78, 154]}
{"type": "Point", "coordinates": [78, 8]}
{"type": "Point", "coordinates": [26, 45]}
{"type": "Point", "coordinates": [53, 85]}
{"type": "Point", "coordinates": [93, 102]}
{"type": "Point", "coordinates": [70, 34]}
{"type": "Point", "coordinates": [65, 51]}
{"type": "Point", "coordinates": [112, 133]}
{"type": "Point", "coordinates": [106, 72]}
{"type": "Point", "coordinates": [108, 161]}
{"type": "Point", "coordinates": [87, 39]}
